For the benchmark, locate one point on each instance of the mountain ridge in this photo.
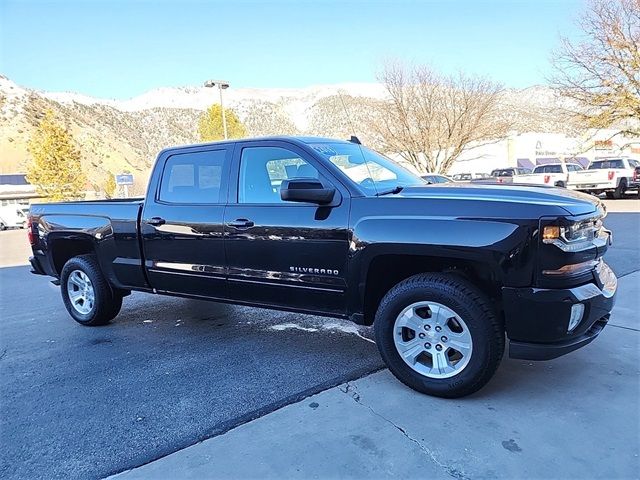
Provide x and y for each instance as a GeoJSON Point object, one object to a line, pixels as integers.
{"type": "Point", "coordinates": [125, 135]}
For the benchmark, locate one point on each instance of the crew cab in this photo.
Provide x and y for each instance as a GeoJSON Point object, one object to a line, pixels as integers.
{"type": "Point", "coordinates": [561, 174]}
{"type": "Point", "coordinates": [443, 272]}
{"type": "Point", "coordinates": [613, 176]}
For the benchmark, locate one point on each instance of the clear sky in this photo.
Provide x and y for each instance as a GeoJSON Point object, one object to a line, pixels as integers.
{"type": "Point", "coordinates": [120, 48]}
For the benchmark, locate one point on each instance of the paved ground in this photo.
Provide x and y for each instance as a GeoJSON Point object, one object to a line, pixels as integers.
{"type": "Point", "coordinates": [574, 417]}
{"type": "Point", "coordinates": [80, 402]}
{"type": "Point", "coordinates": [83, 402]}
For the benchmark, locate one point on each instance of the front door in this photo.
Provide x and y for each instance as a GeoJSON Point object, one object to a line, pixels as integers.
{"type": "Point", "coordinates": [182, 222]}
{"type": "Point", "coordinates": [281, 253]}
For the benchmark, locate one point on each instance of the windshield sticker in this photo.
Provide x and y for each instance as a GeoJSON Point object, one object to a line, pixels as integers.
{"type": "Point", "coordinates": [323, 148]}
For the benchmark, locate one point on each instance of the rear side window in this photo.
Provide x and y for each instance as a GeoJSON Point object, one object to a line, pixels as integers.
{"type": "Point", "coordinates": [193, 177]}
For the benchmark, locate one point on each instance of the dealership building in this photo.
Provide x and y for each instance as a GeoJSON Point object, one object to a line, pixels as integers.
{"type": "Point", "coordinates": [530, 149]}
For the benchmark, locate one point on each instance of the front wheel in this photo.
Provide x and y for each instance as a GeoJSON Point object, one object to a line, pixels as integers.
{"type": "Point", "coordinates": [86, 293]}
{"type": "Point", "coordinates": [439, 335]}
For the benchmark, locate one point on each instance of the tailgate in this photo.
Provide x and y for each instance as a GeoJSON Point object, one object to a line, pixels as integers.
{"type": "Point", "coordinates": [590, 178]}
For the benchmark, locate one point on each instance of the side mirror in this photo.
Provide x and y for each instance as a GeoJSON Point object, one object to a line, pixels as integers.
{"type": "Point", "coordinates": [308, 190]}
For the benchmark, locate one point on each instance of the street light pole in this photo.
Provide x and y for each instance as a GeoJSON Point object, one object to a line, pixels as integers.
{"type": "Point", "coordinates": [222, 85]}
{"type": "Point", "coordinates": [224, 116]}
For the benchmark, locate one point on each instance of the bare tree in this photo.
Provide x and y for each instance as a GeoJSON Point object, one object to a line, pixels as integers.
{"type": "Point", "coordinates": [601, 72]}
{"type": "Point", "coordinates": [431, 119]}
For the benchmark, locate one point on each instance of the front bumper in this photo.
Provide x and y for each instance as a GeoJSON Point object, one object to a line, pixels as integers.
{"type": "Point", "coordinates": [537, 319]}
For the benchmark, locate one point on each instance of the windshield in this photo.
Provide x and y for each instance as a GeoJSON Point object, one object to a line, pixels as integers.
{"type": "Point", "coordinates": [373, 172]}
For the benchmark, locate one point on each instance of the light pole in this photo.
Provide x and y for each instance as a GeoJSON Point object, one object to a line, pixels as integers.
{"type": "Point", "coordinates": [222, 85]}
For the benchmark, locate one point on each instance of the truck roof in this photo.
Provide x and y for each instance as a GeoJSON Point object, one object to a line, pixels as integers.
{"type": "Point", "coordinates": [289, 138]}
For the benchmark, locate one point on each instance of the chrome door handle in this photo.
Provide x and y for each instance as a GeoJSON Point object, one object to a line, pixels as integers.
{"type": "Point", "coordinates": [241, 223]}
{"type": "Point", "coordinates": [156, 221]}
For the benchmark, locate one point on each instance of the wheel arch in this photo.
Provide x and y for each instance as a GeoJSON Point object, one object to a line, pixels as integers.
{"type": "Point", "coordinates": [64, 247]}
{"type": "Point", "coordinates": [388, 269]}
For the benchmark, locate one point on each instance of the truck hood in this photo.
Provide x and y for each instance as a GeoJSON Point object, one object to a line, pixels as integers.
{"type": "Point", "coordinates": [575, 203]}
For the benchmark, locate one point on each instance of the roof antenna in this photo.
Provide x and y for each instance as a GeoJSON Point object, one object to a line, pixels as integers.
{"type": "Point", "coordinates": [353, 138]}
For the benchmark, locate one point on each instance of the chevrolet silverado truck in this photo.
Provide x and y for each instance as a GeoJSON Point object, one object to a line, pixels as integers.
{"type": "Point", "coordinates": [613, 176]}
{"type": "Point", "coordinates": [445, 273]}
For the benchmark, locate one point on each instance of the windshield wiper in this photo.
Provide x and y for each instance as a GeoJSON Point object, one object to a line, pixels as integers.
{"type": "Point", "coordinates": [393, 191]}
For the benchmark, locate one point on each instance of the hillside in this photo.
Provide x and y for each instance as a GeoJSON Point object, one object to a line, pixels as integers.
{"type": "Point", "coordinates": [116, 136]}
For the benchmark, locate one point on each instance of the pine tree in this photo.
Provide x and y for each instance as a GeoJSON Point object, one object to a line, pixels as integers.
{"type": "Point", "coordinates": [210, 124]}
{"type": "Point", "coordinates": [55, 168]}
{"type": "Point", "coordinates": [110, 186]}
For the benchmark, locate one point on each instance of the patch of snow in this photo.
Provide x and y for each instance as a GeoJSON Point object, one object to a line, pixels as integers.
{"type": "Point", "coordinates": [292, 326]}
{"type": "Point", "coordinates": [343, 327]}
{"type": "Point", "coordinates": [346, 328]}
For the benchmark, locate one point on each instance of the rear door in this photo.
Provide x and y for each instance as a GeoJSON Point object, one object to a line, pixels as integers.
{"type": "Point", "coordinates": [280, 253]}
{"type": "Point", "coordinates": [182, 221]}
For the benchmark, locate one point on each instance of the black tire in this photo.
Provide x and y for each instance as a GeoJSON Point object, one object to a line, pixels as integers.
{"type": "Point", "coordinates": [107, 303]}
{"type": "Point", "coordinates": [487, 332]}
{"type": "Point", "coordinates": [618, 193]}
{"type": "Point", "coordinates": [560, 184]}
{"type": "Point", "coordinates": [2, 226]}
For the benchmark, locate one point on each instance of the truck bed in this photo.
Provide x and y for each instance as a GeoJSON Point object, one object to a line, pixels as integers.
{"type": "Point", "coordinates": [112, 227]}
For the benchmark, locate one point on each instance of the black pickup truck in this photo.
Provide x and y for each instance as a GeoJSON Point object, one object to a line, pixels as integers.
{"type": "Point", "coordinates": [444, 272]}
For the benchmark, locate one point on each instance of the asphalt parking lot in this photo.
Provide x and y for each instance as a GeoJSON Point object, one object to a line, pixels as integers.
{"type": "Point", "coordinates": [89, 402]}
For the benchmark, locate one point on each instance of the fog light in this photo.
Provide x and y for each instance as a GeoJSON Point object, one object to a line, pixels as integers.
{"type": "Point", "coordinates": [577, 311]}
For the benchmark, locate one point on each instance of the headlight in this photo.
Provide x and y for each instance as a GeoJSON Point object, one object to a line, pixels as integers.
{"type": "Point", "coordinates": [573, 236]}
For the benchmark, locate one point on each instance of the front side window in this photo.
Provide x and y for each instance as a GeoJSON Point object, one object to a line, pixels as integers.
{"type": "Point", "coordinates": [262, 170]}
{"type": "Point", "coordinates": [193, 178]}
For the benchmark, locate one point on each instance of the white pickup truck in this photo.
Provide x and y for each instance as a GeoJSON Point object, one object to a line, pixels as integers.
{"type": "Point", "coordinates": [614, 176]}
{"type": "Point", "coordinates": [559, 174]}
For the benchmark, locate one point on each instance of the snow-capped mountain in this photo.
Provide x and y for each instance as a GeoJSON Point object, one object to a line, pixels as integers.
{"type": "Point", "coordinates": [125, 135]}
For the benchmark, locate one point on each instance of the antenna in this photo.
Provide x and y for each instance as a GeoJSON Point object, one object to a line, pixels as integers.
{"type": "Point", "coordinates": [353, 138]}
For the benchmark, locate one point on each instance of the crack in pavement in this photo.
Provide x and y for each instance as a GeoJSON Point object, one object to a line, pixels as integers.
{"type": "Point", "coordinates": [352, 392]}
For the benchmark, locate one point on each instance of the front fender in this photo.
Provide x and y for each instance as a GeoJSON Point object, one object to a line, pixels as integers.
{"type": "Point", "coordinates": [504, 247]}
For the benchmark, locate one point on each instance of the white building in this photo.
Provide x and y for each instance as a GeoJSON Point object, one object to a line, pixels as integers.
{"type": "Point", "coordinates": [531, 149]}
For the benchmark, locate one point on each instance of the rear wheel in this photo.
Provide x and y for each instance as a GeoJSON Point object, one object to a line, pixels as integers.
{"type": "Point", "coordinates": [560, 184]}
{"type": "Point", "coordinates": [618, 193]}
{"type": "Point", "coordinates": [439, 335]}
{"type": "Point", "coordinates": [86, 293]}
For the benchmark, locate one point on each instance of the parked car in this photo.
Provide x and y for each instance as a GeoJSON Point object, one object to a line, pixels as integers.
{"type": "Point", "coordinates": [510, 172]}
{"type": "Point", "coordinates": [503, 175]}
{"type": "Point", "coordinates": [559, 174]}
{"type": "Point", "coordinates": [635, 181]}
{"type": "Point", "coordinates": [11, 216]}
{"type": "Point", "coordinates": [613, 176]}
{"type": "Point", "coordinates": [443, 273]}
{"type": "Point", "coordinates": [436, 178]}
{"type": "Point", "coordinates": [465, 177]}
